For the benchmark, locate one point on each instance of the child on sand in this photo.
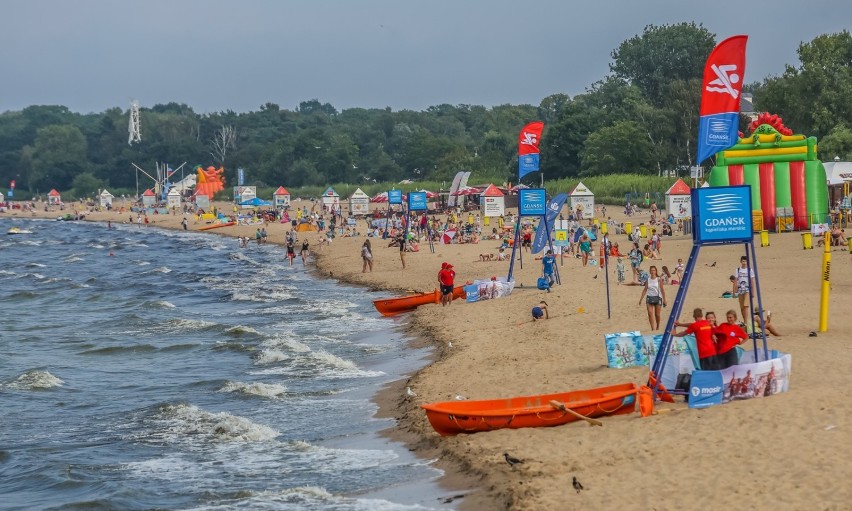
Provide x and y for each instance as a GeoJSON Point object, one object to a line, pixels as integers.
{"type": "Point", "coordinates": [620, 270]}
{"type": "Point", "coordinates": [540, 311]}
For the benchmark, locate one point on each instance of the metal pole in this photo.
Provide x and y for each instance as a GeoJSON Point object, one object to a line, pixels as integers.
{"type": "Point", "coordinates": [759, 305]}
{"type": "Point", "coordinates": [550, 243]}
{"type": "Point", "coordinates": [606, 272]}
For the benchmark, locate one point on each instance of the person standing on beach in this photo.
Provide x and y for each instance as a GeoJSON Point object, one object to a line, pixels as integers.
{"type": "Point", "coordinates": [728, 335]}
{"type": "Point", "coordinates": [446, 279]}
{"type": "Point", "coordinates": [743, 285]}
{"type": "Point", "coordinates": [703, 339]}
{"type": "Point", "coordinates": [654, 293]}
{"type": "Point", "coordinates": [184, 223]}
{"type": "Point", "coordinates": [547, 264]}
{"type": "Point", "coordinates": [401, 242]}
{"type": "Point", "coordinates": [367, 256]}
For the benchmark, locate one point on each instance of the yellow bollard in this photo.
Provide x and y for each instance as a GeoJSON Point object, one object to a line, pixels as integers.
{"type": "Point", "coordinates": [826, 284]}
{"type": "Point", "coordinates": [628, 227]}
{"type": "Point", "coordinates": [595, 221]}
{"type": "Point", "coordinates": [487, 221]}
{"type": "Point", "coordinates": [807, 241]}
{"type": "Point", "coordinates": [764, 238]}
{"type": "Point", "coordinates": [643, 230]}
{"type": "Point", "coordinates": [850, 244]}
{"type": "Point", "coordinates": [605, 230]}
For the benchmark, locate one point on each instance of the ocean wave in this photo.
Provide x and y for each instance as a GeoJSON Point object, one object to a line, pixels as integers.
{"type": "Point", "coordinates": [239, 330]}
{"type": "Point", "coordinates": [187, 324]}
{"type": "Point", "coordinates": [232, 346]}
{"type": "Point", "coordinates": [117, 350]}
{"type": "Point", "coordinates": [6, 272]}
{"type": "Point", "coordinates": [55, 279]}
{"type": "Point", "coordinates": [176, 422]}
{"type": "Point", "coordinates": [73, 259]}
{"type": "Point", "coordinates": [255, 389]}
{"type": "Point", "coordinates": [163, 304]}
{"type": "Point", "coordinates": [270, 356]}
{"type": "Point", "coordinates": [303, 497]}
{"type": "Point", "coordinates": [285, 340]}
{"type": "Point", "coordinates": [34, 379]}
{"type": "Point", "coordinates": [34, 265]}
{"type": "Point", "coordinates": [160, 269]}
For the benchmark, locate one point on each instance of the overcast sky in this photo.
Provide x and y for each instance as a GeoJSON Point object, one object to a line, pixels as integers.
{"type": "Point", "coordinates": [213, 55]}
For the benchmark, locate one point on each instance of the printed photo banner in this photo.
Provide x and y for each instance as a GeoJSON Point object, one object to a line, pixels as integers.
{"type": "Point", "coordinates": [488, 289]}
{"type": "Point", "coordinates": [630, 349]}
{"type": "Point", "coordinates": [747, 380]}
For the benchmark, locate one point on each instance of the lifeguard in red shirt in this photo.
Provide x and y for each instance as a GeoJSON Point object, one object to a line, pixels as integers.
{"type": "Point", "coordinates": [446, 279]}
{"type": "Point", "coordinates": [703, 332]}
{"type": "Point", "coordinates": [729, 335]}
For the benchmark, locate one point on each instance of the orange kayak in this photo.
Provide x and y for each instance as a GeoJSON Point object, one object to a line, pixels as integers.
{"type": "Point", "coordinates": [453, 417]}
{"type": "Point", "coordinates": [394, 306]}
{"type": "Point", "coordinates": [216, 226]}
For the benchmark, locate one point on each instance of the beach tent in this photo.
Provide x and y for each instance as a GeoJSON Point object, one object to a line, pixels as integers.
{"type": "Point", "coordinates": [281, 198]}
{"type": "Point", "coordinates": [105, 199]}
{"type": "Point", "coordinates": [306, 227]}
{"type": "Point", "coordinates": [330, 200]}
{"type": "Point", "coordinates": [359, 203]}
{"type": "Point", "coordinates": [149, 198]}
{"type": "Point", "coordinates": [678, 200]}
{"type": "Point", "coordinates": [173, 198]}
{"type": "Point", "coordinates": [244, 194]}
{"type": "Point", "coordinates": [53, 198]}
{"type": "Point", "coordinates": [583, 197]}
{"type": "Point", "coordinates": [492, 202]}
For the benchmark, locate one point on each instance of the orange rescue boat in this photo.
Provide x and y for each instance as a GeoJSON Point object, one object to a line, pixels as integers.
{"type": "Point", "coordinates": [394, 306]}
{"type": "Point", "coordinates": [216, 226]}
{"type": "Point", "coordinates": [453, 417]}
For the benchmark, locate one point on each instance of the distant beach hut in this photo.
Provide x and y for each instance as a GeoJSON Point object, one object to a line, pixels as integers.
{"type": "Point", "coordinates": [173, 198]}
{"type": "Point", "coordinates": [105, 198]}
{"type": "Point", "coordinates": [492, 202]}
{"type": "Point", "coordinates": [678, 200]}
{"type": "Point", "coordinates": [281, 198]}
{"type": "Point", "coordinates": [583, 198]}
{"type": "Point", "coordinates": [330, 200]}
{"type": "Point", "coordinates": [54, 198]}
{"type": "Point", "coordinates": [359, 203]}
{"type": "Point", "coordinates": [149, 198]}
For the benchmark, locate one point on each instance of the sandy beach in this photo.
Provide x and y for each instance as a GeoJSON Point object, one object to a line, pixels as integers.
{"type": "Point", "coordinates": [789, 451]}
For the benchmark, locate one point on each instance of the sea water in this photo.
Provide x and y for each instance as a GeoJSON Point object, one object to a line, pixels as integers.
{"type": "Point", "coordinates": [143, 368]}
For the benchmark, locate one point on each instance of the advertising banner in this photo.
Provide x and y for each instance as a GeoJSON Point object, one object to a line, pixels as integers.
{"type": "Point", "coordinates": [560, 238]}
{"type": "Point", "coordinates": [721, 214]}
{"type": "Point", "coordinates": [493, 206]}
{"type": "Point", "coordinates": [417, 201]}
{"type": "Point", "coordinates": [488, 289]}
{"type": "Point", "coordinates": [542, 235]}
{"type": "Point", "coordinates": [718, 121]}
{"type": "Point", "coordinates": [532, 202]}
{"type": "Point", "coordinates": [394, 196]}
{"type": "Point", "coordinates": [528, 148]}
{"type": "Point", "coordinates": [630, 349]}
{"type": "Point", "coordinates": [747, 380]}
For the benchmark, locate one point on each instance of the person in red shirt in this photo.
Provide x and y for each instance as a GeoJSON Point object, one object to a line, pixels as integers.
{"type": "Point", "coordinates": [446, 278]}
{"type": "Point", "coordinates": [728, 335]}
{"type": "Point", "coordinates": [703, 332]}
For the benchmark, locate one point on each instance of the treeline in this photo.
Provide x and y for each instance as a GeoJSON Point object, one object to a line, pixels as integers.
{"type": "Point", "coordinates": [642, 118]}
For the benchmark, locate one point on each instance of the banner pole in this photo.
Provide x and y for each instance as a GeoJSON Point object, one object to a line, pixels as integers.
{"type": "Point", "coordinates": [550, 244]}
{"type": "Point", "coordinates": [605, 242]}
{"type": "Point", "coordinates": [759, 305]}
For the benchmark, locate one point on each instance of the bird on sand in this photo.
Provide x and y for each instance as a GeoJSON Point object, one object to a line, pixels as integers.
{"type": "Point", "coordinates": [511, 460]}
{"type": "Point", "coordinates": [409, 392]}
{"type": "Point", "coordinates": [576, 484]}
{"type": "Point", "coordinates": [459, 397]}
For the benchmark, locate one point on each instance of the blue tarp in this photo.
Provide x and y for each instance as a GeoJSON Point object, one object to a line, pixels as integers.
{"type": "Point", "coordinates": [255, 202]}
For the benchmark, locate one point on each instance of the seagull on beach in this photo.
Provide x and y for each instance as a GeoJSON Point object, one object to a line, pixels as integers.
{"type": "Point", "coordinates": [576, 484]}
{"type": "Point", "coordinates": [409, 392]}
{"type": "Point", "coordinates": [511, 460]}
{"type": "Point", "coordinates": [460, 397]}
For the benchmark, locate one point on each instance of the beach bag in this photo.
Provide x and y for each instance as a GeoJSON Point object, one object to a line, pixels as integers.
{"type": "Point", "coordinates": [542, 284]}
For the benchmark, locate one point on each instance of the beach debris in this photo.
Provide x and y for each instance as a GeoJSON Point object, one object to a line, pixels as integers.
{"type": "Point", "coordinates": [830, 427]}
{"type": "Point", "coordinates": [449, 344]}
{"type": "Point", "coordinates": [447, 500]}
{"type": "Point", "coordinates": [812, 334]}
{"type": "Point", "coordinates": [576, 484]}
{"type": "Point", "coordinates": [460, 397]}
{"type": "Point", "coordinates": [409, 392]}
{"type": "Point", "coordinates": [512, 461]}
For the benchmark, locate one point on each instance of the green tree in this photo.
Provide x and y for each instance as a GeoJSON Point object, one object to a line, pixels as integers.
{"type": "Point", "coordinates": [59, 154]}
{"type": "Point", "coordinates": [838, 143]}
{"type": "Point", "coordinates": [86, 185]}
{"type": "Point", "coordinates": [618, 149]}
{"type": "Point", "coordinates": [662, 54]}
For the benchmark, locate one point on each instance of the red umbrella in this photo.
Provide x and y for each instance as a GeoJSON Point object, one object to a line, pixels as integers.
{"type": "Point", "coordinates": [382, 197]}
{"type": "Point", "coordinates": [518, 187]}
{"type": "Point", "coordinates": [448, 236]}
{"type": "Point", "coordinates": [430, 195]}
{"type": "Point", "coordinates": [467, 190]}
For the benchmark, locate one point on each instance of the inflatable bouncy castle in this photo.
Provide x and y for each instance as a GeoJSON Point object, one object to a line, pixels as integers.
{"type": "Point", "coordinates": [209, 181]}
{"type": "Point", "coordinates": [788, 183]}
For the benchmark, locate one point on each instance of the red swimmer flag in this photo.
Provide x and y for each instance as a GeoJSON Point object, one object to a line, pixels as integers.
{"type": "Point", "coordinates": [720, 97]}
{"type": "Point", "coordinates": [528, 142]}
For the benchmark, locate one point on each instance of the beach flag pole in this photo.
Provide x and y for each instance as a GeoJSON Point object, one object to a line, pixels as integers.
{"type": "Point", "coordinates": [752, 260]}
{"type": "Point", "coordinates": [605, 242]}
{"type": "Point", "coordinates": [550, 244]}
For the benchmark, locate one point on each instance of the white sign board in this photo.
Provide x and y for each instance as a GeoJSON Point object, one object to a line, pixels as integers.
{"type": "Point", "coordinates": [493, 206]}
{"type": "Point", "coordinates": [679, 206]}
{"type": "Point", "coordinates": [586, 203]}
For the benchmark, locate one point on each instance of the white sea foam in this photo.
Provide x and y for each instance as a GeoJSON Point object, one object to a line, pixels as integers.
{"type": "Point", "coordinates": [242, 329]}
{"type": "Point", "coordinates": [285, 340]}
{"type": "Point", "coordinates": [175, 423]}
{"type": "Point", "coordinates": [35, 265]}
{"type": "Point", "coordinates": [162, 269]}
{"type": "Point", "coordinates": [188, 324]}
{"type": "Point", "coordinates": [6, 272]}
{"type": "Point", "coordinates": [34, 380]}
{"type": "Point", "coordinates": [255, 389]}
{"type": "Point", "coordinates": [164, 304]}
{"type": "Point", "coordinates": [270, 356]}
{"type": "Point", "coordinates": [73, 259]}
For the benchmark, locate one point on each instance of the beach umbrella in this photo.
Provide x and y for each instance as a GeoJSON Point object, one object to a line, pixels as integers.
{"type": "Point", "coordinates": [429, 195]}
{"type": "Point", "coordinates": [448, 236]}
{"type": "Point", "coordinates": [381, 197]}
{"type": "Point", "coordinates": [517, 187]}
{"type": "Point", "coordinates": [467, 190]}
